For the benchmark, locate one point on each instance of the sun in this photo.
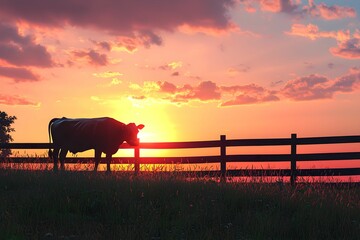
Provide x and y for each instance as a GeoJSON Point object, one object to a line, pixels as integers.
{"type": "Point", "coordinates": [157, 128]}
{"type": "Point", "coordinates": [159, 124]}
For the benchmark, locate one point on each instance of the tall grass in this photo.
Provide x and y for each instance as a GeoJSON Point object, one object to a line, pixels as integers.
{"type": "Point", "coordinates": [87, 205]}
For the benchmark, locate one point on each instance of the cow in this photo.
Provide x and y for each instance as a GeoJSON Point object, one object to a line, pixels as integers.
{"type": "Point", "coordinates": [104, 135]}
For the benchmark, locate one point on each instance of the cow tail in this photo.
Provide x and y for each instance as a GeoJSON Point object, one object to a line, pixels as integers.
{"type": "Point", "coordinates": [49, 129]}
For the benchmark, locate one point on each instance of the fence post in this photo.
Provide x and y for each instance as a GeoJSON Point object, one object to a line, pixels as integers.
{"type": "Point", "coordinates": [137, 158]}
{"type": "Point", "coordinates": [223, 157]}
{"type": "Point", "coordinates": [293, 159]}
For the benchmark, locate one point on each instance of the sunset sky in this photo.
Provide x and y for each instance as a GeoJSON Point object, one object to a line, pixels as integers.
{"type": "Point", "coordinates": [187, 69]}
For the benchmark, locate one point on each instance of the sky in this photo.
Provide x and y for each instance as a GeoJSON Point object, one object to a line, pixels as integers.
{"type": "Point", "coordinates": [188, 70]}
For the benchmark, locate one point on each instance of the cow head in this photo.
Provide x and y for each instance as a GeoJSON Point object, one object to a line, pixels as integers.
{"type": "Point", "coordinates": [132, 132]}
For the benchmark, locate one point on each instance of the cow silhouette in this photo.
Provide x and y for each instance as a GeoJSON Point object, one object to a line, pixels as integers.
{"type": "Point", "coordinates": [104, 135]}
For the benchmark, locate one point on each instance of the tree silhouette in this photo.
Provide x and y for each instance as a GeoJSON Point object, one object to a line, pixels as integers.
{"type": "Point", "coordinates": [5, 130]}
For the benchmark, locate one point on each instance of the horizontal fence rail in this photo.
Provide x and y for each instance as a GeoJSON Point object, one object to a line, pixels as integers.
{"type": "Point", "coordinates": [223, 158]}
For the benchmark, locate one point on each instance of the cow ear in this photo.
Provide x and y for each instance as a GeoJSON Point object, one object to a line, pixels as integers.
{"type": "Point", "coordinates": [141, 126]}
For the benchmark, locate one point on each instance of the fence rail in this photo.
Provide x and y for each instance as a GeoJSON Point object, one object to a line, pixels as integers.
{"type": "Point", "coordinates": [223, 158]}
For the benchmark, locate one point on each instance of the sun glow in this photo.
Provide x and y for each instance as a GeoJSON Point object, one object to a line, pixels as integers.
{"type": "Point", "coordinates": [159, 124]}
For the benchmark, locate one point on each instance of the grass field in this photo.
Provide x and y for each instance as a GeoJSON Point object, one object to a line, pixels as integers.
{"type": "Point", "coordinates": [86, 205]}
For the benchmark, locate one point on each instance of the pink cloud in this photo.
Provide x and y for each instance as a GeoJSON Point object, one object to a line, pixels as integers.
{"type": "Point", "coordinates": [140, 18]}
{"type": "Point", "coordinates": [310, 31]}
{"type": "Point", "coordinates": [15, 100]}
{"type": "Point", "coordinates": [167, 87]}
{"type": "Point", "coordinates": [18, 74]}
{"type": "Point", "coordinates": [93, 57]}
{"type": "Point", "coordinates": [348, 45]}
{"type": "Point", "coordinates": [330, 12]}
{"type": "Point", "coordinates": [287, 6]}
{"type": "Point", "coordinates": [307, 88]}
{"type": "Point", "coordinates": [103, 45]}
{"type": "Point", "coordinates": [21, 50]}
{"type": "Point", "coordinates": [207, 91]}
{"type": "Point", "coordinates": [348, 49]}
{"type": "Point", "coordinates": [204, 91]}
{"type": "Point", "coordinates": [315, 86]}
{"type": "Point", "coordinates": [132, 41]}
{"type": "Point", "coordinates": [247, 99]}
{"type": "Point", "coordinates": [237, 69]}
{"type": "Point", "coordinates": [291, 7]}
{"type": "Point", "coordinates": [248, 94]}
{"type": "Point", "coordinates": [347, 83]}
{"type": "Point", "coordinates": [295, 8]}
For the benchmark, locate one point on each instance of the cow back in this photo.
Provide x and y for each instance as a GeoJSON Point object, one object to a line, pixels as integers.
{"type": "Point", "coordinates": [82, 134]}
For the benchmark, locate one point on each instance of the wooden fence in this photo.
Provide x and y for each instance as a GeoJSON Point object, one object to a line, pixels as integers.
{"type": "Point", "coordinates": [223, 158]}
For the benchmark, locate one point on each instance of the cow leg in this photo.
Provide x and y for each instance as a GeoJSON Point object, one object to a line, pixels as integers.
{"type": "Point", "coordinates": [97, 159]}
{"type": "Point", "coordinates": [55, 155]}
{"type": "Point", "coordinates": [108, 161]}
{"type": "Point", "coordinates": [62, 157]}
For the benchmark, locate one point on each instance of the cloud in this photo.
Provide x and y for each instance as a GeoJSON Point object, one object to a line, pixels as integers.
{"type": "Point", "coordinates": [108, 74]}
{"type": "Point", "coordinates": [295, 8]}
{"type": "Point", "coordinates": [236, 70]}
{"type": "Point", "coordinates": [175, 74]}
{"type": "Point", "coordinates": [348, 45]}
{"type": "Point", "coordinates": [18, 74]}
{"type": "Point", "coordinates": [171, 66]}
{"type": "Point", "coordinates": [103, 45]}
{"type": "Point", "coordinates": [286, 6]}
{"type": "Point", "coordinates": [347, 83]}
{"type": "Point", "coordinates": [330, 12]}
{"type": "Point", "coordinates": [21, 50]}
{"type": "Point", "coordinates": [167, 87]}
{"type": "Point", "coordinates": [310, 31]}
{"type": "Point", "coordinates": [306, 88]}
{"type": "Point", "coordinates": [93, 57]}
{"type": "Point", "coordinates": [314, 86]}
{"type": "Point", "coordinates": [349, 49]}
{"type": "Point", "coordinates": [138, 97]}
{"type": "Point", "coordinates": [16, 100]}
{"type": "Point", "coordinates": [248, 94]}
{"type": "Point", "coordinates": [149, 38]}
{"type": "Point", "coordinates": [140, 19]}
{"type": "Point", "coordinates": [204, 91]}
{"type": "Point", "coordinates": [130, 43]}
{"type": "Point", "coordinates": [291, 7]}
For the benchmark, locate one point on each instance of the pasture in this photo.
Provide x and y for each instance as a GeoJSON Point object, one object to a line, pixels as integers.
{"type": "Point", "coordinates": [87, 205]}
